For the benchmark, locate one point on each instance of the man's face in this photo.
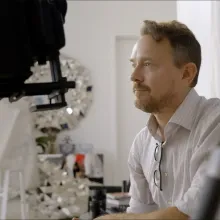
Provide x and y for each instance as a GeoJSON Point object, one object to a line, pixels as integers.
{"type": "Point", "coordinates": [156, 80]}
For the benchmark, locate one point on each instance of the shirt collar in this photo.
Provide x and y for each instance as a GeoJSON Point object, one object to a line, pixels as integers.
{"type": "Point", "coordinates": [186, 112]}
{"type": "Point", "coordinates": [183, 116]}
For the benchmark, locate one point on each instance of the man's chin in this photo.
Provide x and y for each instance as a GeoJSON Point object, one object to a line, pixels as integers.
{"type": "Point", "coordinates": [142, 107]}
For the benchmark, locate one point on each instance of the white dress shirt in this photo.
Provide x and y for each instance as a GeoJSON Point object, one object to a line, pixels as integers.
{"type": "Point", "coordinates": [191, 134]}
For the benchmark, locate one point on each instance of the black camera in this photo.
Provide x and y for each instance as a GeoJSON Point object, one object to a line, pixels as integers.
{"type": "Point", "coordinates": [32, 31]}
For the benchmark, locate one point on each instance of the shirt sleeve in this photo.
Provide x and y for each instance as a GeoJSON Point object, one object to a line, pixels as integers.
{"type": "Point", "coordinates": [189, 204]}
{"type": "Point", "coordinates": [141, 200]}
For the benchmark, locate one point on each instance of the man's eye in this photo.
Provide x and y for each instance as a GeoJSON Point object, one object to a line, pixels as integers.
{"type": "Point", "coordinates": [146, 64]}
{"type": "Point", "coordinates": [133, 65]}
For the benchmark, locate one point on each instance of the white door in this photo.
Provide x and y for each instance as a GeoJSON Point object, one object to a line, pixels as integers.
{"type": "Point", "coordinates": [130, 120]}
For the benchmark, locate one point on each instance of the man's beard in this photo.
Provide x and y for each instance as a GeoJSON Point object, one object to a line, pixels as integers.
{"type": "Point", "coordinates": [151, 104]}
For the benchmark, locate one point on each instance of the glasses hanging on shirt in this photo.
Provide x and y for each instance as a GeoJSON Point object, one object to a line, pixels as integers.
{"type": "Point", "coordinates": [157, 173]}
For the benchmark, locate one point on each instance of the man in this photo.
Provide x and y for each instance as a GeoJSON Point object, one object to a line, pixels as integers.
{"type": "Point", "coordinates": [168, 158]}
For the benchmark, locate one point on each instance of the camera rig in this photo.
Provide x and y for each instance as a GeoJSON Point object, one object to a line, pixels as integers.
{"type": "Point", "coordinates": [32, 31]}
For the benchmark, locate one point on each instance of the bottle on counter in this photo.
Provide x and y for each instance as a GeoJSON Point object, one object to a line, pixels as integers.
{"type": "Point", "coordinates": [97, 204]}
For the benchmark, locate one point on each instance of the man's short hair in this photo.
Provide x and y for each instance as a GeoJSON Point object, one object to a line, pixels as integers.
{"type": "Point", "coordinates": [185, 46]}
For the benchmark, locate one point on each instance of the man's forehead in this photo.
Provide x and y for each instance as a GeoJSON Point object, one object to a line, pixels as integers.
{"type": "Point", "coordinates": [141, 47]}
{"type": "Point", "coordinates": [139, 52]}
{"type": "Point", "coordinates": [147, 47]}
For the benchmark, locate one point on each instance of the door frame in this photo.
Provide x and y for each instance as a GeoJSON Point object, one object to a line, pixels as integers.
{"type": "Point", "coordinates": [114, 107]}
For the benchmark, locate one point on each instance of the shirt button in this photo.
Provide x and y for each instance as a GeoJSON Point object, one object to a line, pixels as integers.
{"type": "Point", "coordinates": [166, 174]}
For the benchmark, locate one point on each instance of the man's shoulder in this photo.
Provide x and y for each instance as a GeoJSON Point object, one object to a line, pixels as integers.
{"type": "Point", "coordinates": [207, 124]}
{"type": "Point", "coordinates": [212, 102]}
{"type": "Point", "coordinates": [208, 114]}
{"type": "Point", "coordinates": [210, 109]}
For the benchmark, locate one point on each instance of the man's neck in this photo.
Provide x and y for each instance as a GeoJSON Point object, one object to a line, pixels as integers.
{"type": "Point", "coordinates": [164, 116]}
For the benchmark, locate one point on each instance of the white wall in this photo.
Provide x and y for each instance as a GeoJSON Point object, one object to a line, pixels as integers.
{"type": "Point", "coordinates": [91, 28]}
{"type": "Point", "coordinates": [197, 16]}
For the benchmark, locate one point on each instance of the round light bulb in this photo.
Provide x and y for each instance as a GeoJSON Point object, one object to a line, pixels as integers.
{"type": "Point", "coordinates": [69, 110]}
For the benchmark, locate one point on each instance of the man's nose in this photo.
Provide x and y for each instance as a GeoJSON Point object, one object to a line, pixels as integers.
{"type": "Point", "coordinates": [137, 75]}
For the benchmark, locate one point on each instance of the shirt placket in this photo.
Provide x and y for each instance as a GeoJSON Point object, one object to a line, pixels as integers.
{"type": "Point", "coordinates": [167, 176]}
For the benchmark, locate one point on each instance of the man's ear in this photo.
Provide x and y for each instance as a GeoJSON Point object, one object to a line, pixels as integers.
{"type": "Point", "coordinates": [189, 72]}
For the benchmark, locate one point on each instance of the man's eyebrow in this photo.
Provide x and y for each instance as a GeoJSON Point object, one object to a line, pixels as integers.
{"type": "Point", "coordinates": [142, 59]}
{"type": "Point", "coordinates": [146, 58]}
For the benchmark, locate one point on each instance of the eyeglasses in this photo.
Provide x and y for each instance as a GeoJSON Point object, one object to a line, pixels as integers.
{"type": "Point", "coordinates": [157, 173]}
